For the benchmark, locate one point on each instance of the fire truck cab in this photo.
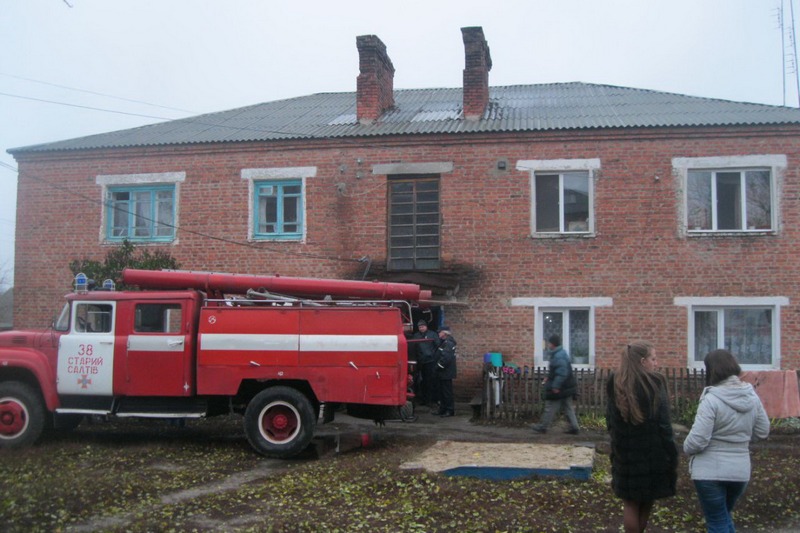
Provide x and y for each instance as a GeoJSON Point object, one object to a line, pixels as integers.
{"type": "Point", "coordinates": [196, 344]}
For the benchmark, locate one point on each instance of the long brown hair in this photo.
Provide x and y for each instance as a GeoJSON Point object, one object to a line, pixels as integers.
{"type": "Point", "coordinates": [632, 381]}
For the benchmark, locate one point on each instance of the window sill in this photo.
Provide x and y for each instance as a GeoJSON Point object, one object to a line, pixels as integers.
{"type": "Point", "coordinates": [745, 367]}
{"type": "Point", "coordinates": [575, 235]}
{"type": "Point", "coordinates": [276, 239]}
{"type": "Point", "coordinates": [581, 366]}
{"type": "Point", "coordinates": [737, 233]}
{"type": "Point", "coordinates": [138, 242]}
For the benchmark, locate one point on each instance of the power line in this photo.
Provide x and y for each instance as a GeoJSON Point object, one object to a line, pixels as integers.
{"type": "Point", "coordinates": [94, 93]}
{"type": "Point", "coordinates": [259, 247]}
{"type": "Point", "coordinates": [188, 120]}
{"type": "Point", "coordinates": [82, 106]}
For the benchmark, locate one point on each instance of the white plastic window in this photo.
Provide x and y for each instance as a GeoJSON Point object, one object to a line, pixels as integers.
{"type": "Point", "coordinates": [562, 195]}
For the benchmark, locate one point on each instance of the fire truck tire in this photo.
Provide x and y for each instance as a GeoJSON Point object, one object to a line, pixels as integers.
{"type": "Point", "coordinates": [279, 422]}
{"type": "Point", "coordinates": [22, 415]}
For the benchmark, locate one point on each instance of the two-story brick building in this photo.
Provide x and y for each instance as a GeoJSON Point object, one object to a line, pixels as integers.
{"type": "Point", "coordinates": [602, 213]}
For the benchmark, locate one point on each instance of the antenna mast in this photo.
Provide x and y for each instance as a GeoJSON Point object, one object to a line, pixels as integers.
{"type": "Point", "coordinates": [783, 50]}
{"type": "Point", "coordinates": [789, 52]}
{"type": "Point", "coordinates": [794, 52]}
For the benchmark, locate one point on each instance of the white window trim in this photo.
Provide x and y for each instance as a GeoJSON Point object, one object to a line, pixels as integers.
{"type": "Point", "coordinates": [252, 175]}
{"type": "Point", "coordinates": [592, 166]}
{"type": "Point", "coordinates": [775, 302]}
{"type": "Point", "coordinates": [132, 180]}
{"type": "Point", "coordinates": [681, 166]}
{"type": "Point", "coordinates": [542, 305]}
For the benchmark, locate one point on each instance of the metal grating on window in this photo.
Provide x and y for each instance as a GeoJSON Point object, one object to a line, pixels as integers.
{"type": "Point", "coordinates": [414, 225]}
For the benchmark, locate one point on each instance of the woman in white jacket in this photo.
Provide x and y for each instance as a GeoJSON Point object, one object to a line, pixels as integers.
{"type": "Point", "coordinates": [729, 416]}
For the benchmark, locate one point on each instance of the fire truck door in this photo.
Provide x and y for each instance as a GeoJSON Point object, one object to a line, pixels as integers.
{"type": "Point", "coordinates": [158, 361]}
{"type": "Point", "coordinates": [86, 353]}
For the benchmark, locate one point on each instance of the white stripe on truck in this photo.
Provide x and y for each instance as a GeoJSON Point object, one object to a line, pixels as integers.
{"type": "Point", "coordinates": [155, 343]}
{"type": "Point", "coordinates": [304, 343]}
{"type": "Point", "coordinates": [348, 343]}
{"type": "Point", "coordinates": [243, 342]}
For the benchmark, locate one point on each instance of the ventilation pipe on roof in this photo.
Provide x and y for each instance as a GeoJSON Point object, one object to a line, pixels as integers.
{"type": "Point", "coordinates": [477, 64]}
{"type": "Point", "coordinates": [375, 82]}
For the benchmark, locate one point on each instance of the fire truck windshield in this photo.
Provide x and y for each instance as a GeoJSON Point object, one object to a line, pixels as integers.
{"type": "Point", "coordinates": [62, 322]}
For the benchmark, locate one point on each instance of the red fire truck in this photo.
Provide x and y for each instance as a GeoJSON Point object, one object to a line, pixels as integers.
{"type": "Point", "coordinates": [283, 352]}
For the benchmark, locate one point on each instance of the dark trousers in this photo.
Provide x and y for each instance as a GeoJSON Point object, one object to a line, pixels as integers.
{"type": "Point", "coordinates": [553, 407]}
{"type": "Point", "coordinates": [446, 404]}
{"type": "Point", "coordinates": [428, 390]}
{"type": "Point", "coordinates": [417, 375]}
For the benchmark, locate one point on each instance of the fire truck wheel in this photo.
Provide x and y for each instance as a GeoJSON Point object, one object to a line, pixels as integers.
{"type": "Point", "coordinates": [279, 422]}
{"type": "Point", "coordinates": [21, 415]}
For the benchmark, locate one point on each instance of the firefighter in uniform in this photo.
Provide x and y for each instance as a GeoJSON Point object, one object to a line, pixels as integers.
{"type": "Point", "coordinates": [426, 364]}
{"type": "Point", "coordinates": [446, 371]}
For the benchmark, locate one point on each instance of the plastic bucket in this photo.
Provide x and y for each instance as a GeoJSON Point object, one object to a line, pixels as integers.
{"type": "Point", "coordinates": [496, 359]}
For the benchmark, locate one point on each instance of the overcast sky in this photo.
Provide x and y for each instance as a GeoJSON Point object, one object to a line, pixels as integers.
{"type": "Point", "coordinates": [70, 68]}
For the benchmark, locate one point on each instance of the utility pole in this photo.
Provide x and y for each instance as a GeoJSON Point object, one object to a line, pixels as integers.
{"type": "Point", "coordinates": [794, 52]}
{"type": "Point", "coordinates": [789, 51]}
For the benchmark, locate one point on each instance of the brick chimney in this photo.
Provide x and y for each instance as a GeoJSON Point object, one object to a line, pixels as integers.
{"type": "Point", "coordinates": [375, 81]}
{"type": "Point", "coordinates": [477, 65]}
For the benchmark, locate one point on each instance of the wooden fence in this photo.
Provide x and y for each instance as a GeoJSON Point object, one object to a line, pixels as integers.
{"type": "Point", "coordinates": [518, 396]}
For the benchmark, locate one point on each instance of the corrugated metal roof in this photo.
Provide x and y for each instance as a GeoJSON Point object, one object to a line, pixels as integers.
{"type": "Point", "coordinates": [558, 106]}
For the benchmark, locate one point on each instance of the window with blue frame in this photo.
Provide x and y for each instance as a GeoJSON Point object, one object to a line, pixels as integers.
{"type": "Point", "coordinates": [141, 213]}
{"type": "Point", "coordinates": [278, 209]}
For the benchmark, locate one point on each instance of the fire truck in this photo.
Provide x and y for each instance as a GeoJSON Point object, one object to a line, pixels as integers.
{"type": "Point", "coordinates": [283, 352]}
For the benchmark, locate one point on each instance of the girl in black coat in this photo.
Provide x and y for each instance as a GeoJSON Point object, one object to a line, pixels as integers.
{"type": "Point", "coordinates": [644, 458]}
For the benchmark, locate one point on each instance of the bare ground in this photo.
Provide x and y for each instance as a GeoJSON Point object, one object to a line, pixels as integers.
{"type": "Point", "coordinates": [152, 476]}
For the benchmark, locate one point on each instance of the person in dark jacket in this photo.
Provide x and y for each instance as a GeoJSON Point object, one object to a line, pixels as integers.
{"type": "Point", "coordinates": [446, 371]}
{"type": "Point", "coordinates": [560, 387]}
{"type": "Point", "coordinates": [426, 350]}
{"type": "Point", "coordinates": [644, 459]}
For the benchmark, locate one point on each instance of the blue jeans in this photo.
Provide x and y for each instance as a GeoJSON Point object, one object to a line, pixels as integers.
{"type": "Point", "coordinates": [717, 499]}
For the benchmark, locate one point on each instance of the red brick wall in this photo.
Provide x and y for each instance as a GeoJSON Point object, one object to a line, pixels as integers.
{"type": "Point", "coordinates": [637, 257]}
